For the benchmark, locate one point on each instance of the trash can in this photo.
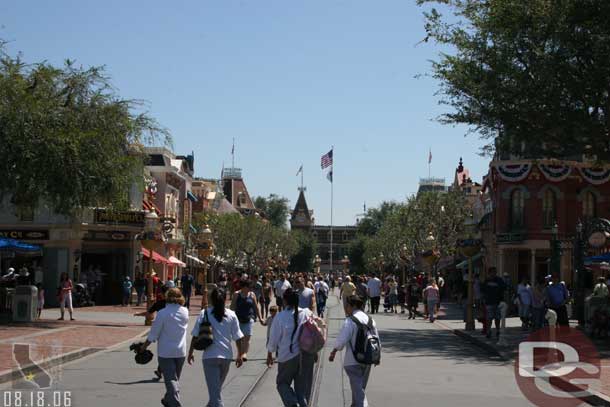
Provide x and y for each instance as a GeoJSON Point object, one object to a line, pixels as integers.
{"type": "Point", "coordinates": [25, 303]}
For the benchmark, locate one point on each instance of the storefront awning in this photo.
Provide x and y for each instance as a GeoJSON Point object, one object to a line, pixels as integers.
{"type": "Point", "coordinates": [195, 259]}
{"type": "Point", "coordinates": [156, 256]}
{"type": "Point", "coordinates": [464, 264]}
{"type": "Point", "coordinates": [602, 258]}
{"type": "Point", "coordinates": [15, 246]}
{"type": "Point", "coordinates": [176, 262]}
{"type": "Point", "coordinates": [191, 196]}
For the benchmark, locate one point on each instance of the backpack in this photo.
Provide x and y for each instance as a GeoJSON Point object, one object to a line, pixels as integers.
{"type": "Point", "coordinates": [367, 349]}
{"type": "Point", "coordinates": [311, 338]}
{"type": "Point", "coordinates": [322, 294]}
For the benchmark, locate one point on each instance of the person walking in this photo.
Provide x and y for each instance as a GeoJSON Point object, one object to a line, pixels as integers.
{"type": "Point", "coordinates": [322, 290]}
{"type": "Point", "coordinates": [140, 285]}
{"type": "Point", "coordinates": [493, 294]}
{"type": "Point", "coordinates": [358, 373]}
{"type": "Point", "coordinates": [524, 299]}
{"type": "Point", "coordinates": [186, 284]}
{"type": "Point", "coordinates": [557, 296]}
{"type": "Point", "coordinates": [413, 295]}
{"type": "Point", "coordinates": [432, 298]}
{"type": "Point", "coordinates": [127, 287]}
{"type": "Point", "coordinates": [295, 369]}
{"type": "Point", "coordinates": [307, 296]}
{"type": "Point", "coordinates": [393, 295]}
{"type": "Point", "coordinates": [537, 306]}
{"type": "Point", "coordinates": [65, 296]}
{"type": "Point", "coordinates": [374, 293]}
{"type": "Point", "coordinates": [265, 299]}
{"type": "Point", "coordinates": [280, 287]}
{"type": "Point", "coordinates": [169, 331]}
{"type": "Point", "coordinates": [246, 307]}
{"type": "Point", "coordinates": [217, 357]}
{"type": "Point", "coordinates": [347, 290]}
{"type": "Point", "coordinates": [362, 289]}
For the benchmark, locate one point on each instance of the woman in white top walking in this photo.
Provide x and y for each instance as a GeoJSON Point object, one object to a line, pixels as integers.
{"type": "Point", "coordinates": [293, 367]}
{"type": "Point", "coordinates": [169, 330]}
{"type": "Point", "coordinates": [217, 357]}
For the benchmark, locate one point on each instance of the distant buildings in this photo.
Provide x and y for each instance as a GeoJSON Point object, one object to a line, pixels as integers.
{"type": "Point", "coordinates": [302, 219]}
{"type": "Point", "coordinates": [432, 184]}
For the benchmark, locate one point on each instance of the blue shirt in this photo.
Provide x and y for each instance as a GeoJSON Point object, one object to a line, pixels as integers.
{"type": "Point", "coordinates": [557, 294]}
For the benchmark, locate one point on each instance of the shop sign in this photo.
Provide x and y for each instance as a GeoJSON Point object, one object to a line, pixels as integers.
{"type": "Point", "coordinates": [24, 234]}
{"type": "Point", "coordinates": [120, 217]}
{"type": "Point", "coordinates": [597, 239]}
{"type": "Point", "coordinates": [107, 236]}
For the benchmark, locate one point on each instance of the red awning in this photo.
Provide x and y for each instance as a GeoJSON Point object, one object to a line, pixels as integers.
{"type": "Point", "coordinates": [156, 256]}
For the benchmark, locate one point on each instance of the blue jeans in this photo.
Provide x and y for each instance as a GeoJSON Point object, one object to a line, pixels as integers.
{"type": "Point", "coordinates": [537, 317]}
{"type": "Point", "coordinates": [289, 372]}
{"type": "Point", "coordinates": [215, 371]}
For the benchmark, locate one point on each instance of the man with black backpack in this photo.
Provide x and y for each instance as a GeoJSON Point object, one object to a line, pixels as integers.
{"type": "Point", "coordinates": [360, 339]}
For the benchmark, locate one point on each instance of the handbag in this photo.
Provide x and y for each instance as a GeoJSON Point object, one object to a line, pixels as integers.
{"type": "Point", "coordinates": [206, 335]}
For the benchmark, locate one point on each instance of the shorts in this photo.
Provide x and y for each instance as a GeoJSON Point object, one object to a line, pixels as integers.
{"type": "Point", "coordinates": [279, 302]}
{"type": "Point", "coordinates": [246, 327]}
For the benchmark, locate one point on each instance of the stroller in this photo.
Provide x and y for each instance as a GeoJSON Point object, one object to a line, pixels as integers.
{"type": "Point", "coordinates": [81, 296]}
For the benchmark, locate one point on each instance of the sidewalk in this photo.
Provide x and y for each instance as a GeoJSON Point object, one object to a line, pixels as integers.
{"type": "Point", "coordinates": [451, 318]}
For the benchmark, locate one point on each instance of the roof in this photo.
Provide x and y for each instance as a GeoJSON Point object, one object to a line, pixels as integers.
{"type": "Point", "coordinates": [301, 215]}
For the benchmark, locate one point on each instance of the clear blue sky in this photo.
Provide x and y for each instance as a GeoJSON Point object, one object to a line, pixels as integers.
{"type": "Point", "coordinates": [286, 79]}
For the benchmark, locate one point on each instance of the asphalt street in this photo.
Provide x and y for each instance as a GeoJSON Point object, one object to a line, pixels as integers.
{"type": "Point", "coordinates": [423, 365]}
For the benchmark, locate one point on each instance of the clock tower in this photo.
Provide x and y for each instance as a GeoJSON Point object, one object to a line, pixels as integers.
{"type": "Point", "coordinates": [301, 218]}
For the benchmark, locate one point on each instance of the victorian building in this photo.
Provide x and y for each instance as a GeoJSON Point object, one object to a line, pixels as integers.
{"type": "Point", "coordinates": [302, 219]}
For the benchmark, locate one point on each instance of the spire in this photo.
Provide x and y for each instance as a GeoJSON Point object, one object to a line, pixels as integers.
{"type": "Point", "coordinates": [460, 167]}
{"type": "Point", "coordinates": [301, 217]}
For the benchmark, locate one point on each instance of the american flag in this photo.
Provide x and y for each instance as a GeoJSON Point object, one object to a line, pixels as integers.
{"type": "Point", "coordinates": [327, 159]}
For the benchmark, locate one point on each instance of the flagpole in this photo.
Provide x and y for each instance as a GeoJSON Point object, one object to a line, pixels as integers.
{"type": "Point", "coordinates": [332, 185]}
{"type": "Point", "coordinates": [302, 177]}
{"type": "Point", "coordinates": [233, 154]}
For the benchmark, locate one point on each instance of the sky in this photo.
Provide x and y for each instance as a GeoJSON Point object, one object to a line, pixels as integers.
{"type": "Point", "coordinates": [287, 79]}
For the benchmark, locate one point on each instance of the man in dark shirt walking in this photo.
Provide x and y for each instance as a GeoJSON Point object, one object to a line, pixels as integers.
{"type": "Point", "coordinates": [186, 283]}
{"type": "Point", "coordinates": [493, 293]}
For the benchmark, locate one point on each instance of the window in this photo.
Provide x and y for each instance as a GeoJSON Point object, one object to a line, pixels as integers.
{"type": "Point", "coordinates": [549, 211]}
{"type": "Point", "coordinates": [517, 205]}
{"type": "Point", "coordinates": [345, 237]}
{"type": "Point", "coordinates": [589, 205]}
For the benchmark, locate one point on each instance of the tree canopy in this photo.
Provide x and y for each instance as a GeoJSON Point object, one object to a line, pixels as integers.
{"type": "Point", "coordinates": [532, 77]}
{"type": "Point", "coordinates": [275, 209]}
{"type": "Point", "coordinates": [67, 139]}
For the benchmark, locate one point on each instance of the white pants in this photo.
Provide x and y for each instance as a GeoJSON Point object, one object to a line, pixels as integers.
{"type": "Point", "coordinates": [66, 302]}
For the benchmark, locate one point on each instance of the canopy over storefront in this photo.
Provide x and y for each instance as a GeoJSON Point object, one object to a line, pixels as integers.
{"type": "Point", "coordinates": [176, 262]}
{"type": "Point", "coordinates": [602, 258]}
{"type": "Point", "coordinates": [195, 259]}
{"type": "Point", "coordinates": [156, 257]}
{"type": "Point", "coordinates": [17, 247]}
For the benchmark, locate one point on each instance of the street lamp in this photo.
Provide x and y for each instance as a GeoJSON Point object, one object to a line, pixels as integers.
{"type": "Point", "coordinates": [579, 258]}
{"type": "Point", "coordinates": [555, 265]}
{"type": "Point", "coordinates": [151, 239]}
{"type": "Point", "coordinates": [316, 263]}
{"type": "Point", "coordinates": [469, 248]}
{"type": "Point", "coordinates": [345, 262]}
{"type": "Point", "coordinates": [205, 248]}
{"type": "Point", "coordinates": [404, 258]}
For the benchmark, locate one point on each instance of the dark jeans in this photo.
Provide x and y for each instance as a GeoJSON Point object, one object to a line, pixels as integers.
{"type": "Point", "coordinates": [264, 306]}
{"type": "Point", "coordinates": [289, 372]}
{"type": "Point", "coordinates": [321, 307]}
{"type": "Point", "coordinates": [375, 304]}
{"type": "Point", "coordinates": [187, 297]}
{"type": "Point", "coordinates": [140, 292]}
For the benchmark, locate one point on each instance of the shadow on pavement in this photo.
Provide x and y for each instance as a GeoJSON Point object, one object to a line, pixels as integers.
{"type": "Point", "coordinates": [433, 343]}
{"type": "Point", "coordinates": [147, 381]}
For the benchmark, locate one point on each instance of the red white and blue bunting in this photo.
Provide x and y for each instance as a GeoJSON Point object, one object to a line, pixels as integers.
{"type": "Point", "coordinates": [595, 176]}
{"type": "Point", "coordinates": [555, 173]}
{"type": "Point", "coordinates": [514, 172]}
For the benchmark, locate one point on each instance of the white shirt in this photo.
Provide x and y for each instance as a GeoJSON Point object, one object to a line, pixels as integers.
{"type": "Point", "coordinates": [169, 330]}
{"type": "Point", "coordinates": [224, 333]}
{"type": "Point", "coordinates": [320, 285]}
{"type": "Point", "coordinates": [347, 337]}
{"type": "Point", "coordinates": [281, 334]}
{"type": "Point", "coordinates": [280, 287]}
{"type": "Point", "coordinates": [374, 286]}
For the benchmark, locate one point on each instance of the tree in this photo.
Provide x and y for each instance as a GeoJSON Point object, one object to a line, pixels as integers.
{"type": "Point", "coordinates": [67, 139]}
{"type": "Point", "coordinates": [357, 250]}
{"type": "Point", "coordinates": [370, 224]}
{"type": "Point", "coordinates": [306, 249]}
{"type": "Point", "coordinates": [275, 209]}
{"type": "Point", "coordinates": [531, 76]}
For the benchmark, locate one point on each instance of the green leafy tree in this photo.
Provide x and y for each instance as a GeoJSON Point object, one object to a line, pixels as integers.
{"type": "Point", "coordinates": [357, 248]}
{"type": "Point", "coordinates": [306, 249]}
{"type": "Point", "coordinates": [370, 224]}
{"type": "Point", "coordinates": [530, 76]}
{"type": "Point", "coordinates": [275, 209]}
{"type": "Point", "coordinates": [67, 139]}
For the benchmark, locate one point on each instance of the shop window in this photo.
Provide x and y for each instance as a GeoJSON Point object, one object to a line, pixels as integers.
{"type": "Point", "coordinates": [517, 209]}
{"type": "Point", "coordinates": [549, 209]}
{"type": "Point", "coordinates": [589, 205]}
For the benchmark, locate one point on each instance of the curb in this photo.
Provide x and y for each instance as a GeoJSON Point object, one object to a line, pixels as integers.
{"type": "Point", "coordinates": [64, 359]}
{"type": "Point", "coordinates": [593, 399]}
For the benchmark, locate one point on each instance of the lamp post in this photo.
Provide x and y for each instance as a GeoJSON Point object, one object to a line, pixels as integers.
{"type": "Point", "coordinates": [205, 248]}
{"type": "Point", "coordinates": [404, 258]}
{"type": "Point", "coordinates": [151, 239]}
{"type": "Point", "coordinates": [555, 264]}
{"type": "Point", "coordinates": [469, 248]}
{"type": "Point", "coordinates": [579, 258]}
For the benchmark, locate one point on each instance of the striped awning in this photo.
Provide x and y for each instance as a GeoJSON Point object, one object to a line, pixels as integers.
{"type": "Point", "coordinates": [157, 258]}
